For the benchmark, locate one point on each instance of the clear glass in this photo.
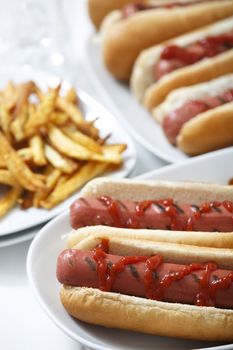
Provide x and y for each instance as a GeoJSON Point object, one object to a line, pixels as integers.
{"type": "Point", "coordinates": [33, 34]}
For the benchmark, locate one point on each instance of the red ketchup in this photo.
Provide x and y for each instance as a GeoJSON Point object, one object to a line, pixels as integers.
{"type": "Point", "coordinates": [174, 56]}
{"type": "Point", "coordinates": [154, 288]}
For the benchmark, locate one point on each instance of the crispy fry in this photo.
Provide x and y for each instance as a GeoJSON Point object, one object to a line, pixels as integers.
{"type": "Point", "coordinates": [63, 190]}
{"type": "Point", "coordinates": [5, 120]}
{"type": "Point", "coordinates": [26, 178]}
{"type": "Point", "coordinates": [6, 178]}
{"type": "Point", "coordinates": [83, 140]}
{"type": "Point", "coordinates": [25, 154]}
{"type": "Point", "coordinates": [76, 116]}
{"type": "Point", "coordinates": [60, 162]}
{"type": "Point", "coordinates": [37, 147]}
{"type": "Point", "coordinates": [72, 149]}
{"type": "Point", "coordinates": [71, 96]}
{"type": "Point", "coordinates": [43, 112]}
{"type": "Point", "coordinates": [26, 199]}
{"type": "Point", "coordinates": [17, 126]}
{"type": "Point", "coordinates": [9, 96]}
{"type": "Point", "coordinates": [9, 200]}
{"type": "Point", "coordinates": [59, 118]}
{"type": "Point", "coordinates": [52, 178]}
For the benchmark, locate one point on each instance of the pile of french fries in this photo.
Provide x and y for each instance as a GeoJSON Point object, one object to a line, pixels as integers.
{"type": "Point", "coordinates": [47, 148]}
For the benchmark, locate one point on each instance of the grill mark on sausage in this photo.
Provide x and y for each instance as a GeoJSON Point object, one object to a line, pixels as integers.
{"type": "Point", "coordinates": [215, 277]}
{"type": "Point", "coordinates": [159, 206]}
{"type": "Point", "coordinates": [121, 204]}
{"type": "Point", "coordinates": [195, 277]}
{"type": "Point", "coordinates": [179, 210]}
{"type": "Point", "coordinates": [134, 271]}
{"type": "Point", "coordinates": [83, 200]}
{"type": "Point", "coordinates": [109, 264]}
{"type": "Point", "coordinates": [195, 207]}
{"type": "Point", "coordinates": [168, 227]}
{"type": "Point", "coordinates": [155, 275]}
{"type": "Point", "coordinates": [216, 209]}
{"type": "Point", "coordinates": [215, 230]}
{"type": "Point", "coordinates": [90, 263]}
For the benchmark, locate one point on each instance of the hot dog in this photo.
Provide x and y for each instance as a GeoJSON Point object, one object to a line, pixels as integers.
{"type": "Point", "coordinates": [127, 36]}
{"type": "Point", "coordinates": [164, 289]}
{"type": "Point", "coordinates": [187, 113]}
{"type": "Point", "coordinates": [187, 60]}
{"type": "Point", "coordinates": [162, 205]}
{"type": "Point", "coordinates": [98, 9]}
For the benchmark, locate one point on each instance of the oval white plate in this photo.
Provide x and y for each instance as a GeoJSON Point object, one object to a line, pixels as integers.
{"type": "Point", "coordinates": [17, 219]}
{"type": "Point", "coordinates": [45, 248]}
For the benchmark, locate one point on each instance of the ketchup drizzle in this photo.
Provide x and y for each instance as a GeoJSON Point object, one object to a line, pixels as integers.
{"type": "Point", "coordinates": [155, 289]}
{"type": "Point", "coordinates": [167, 206]}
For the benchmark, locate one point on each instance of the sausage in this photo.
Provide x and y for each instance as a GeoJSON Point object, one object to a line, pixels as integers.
{"type": "Point", "coordinates": [174, 57]}
{"type": "Point", "coordinates": [173, 122]}
{"type": "Point", "coordinates": [78, 268]}
{"type": "Point", "coordinates": [91, 211]}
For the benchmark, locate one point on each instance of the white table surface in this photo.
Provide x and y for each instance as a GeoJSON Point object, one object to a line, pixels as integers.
{"type": "Point", "coordinates": [23, 325]}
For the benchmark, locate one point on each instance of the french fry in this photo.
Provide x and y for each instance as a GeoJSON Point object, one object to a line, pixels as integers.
{"type": "Point", "coordinates": [5, 120]}
{"type": "Point", "coordinates": [25, 154]}
{"type": "Point", "coordinates": [41, 117]}
{"type": "Point", "coordinates": [59, 118]}
{"type": "Point", "coordinates": [72, 149]}
{"type": "Point", "coordinates": [63, 190]}
{"type": "Point", "coordinates": [76, 116]}
{"type": "Point", "coordinates": [26, 178]}
{"type": "Point", "coordinates": [38, 152]}
{"type": "Point", "coordinates": [60, 162]}
{"type": "Point", "coordinates": [52, 177]}
{"type": "Point", "coordinates": [9, 96]}
{"type": "Point", "coordinates": [71, 96]}
{"type": "Point", "coordinates": [17, 126]}
{"type": "Point", "coordinates": [6, 178]}
{"type": "Point", "coordinates": [83, 140]}
{"type": "Point", "coordinates": [9, 200]}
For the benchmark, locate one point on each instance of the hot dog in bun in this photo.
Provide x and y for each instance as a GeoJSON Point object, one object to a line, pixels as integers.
{"type": "Point", "coordinates": [164, 205]}
{"type": "Point", "coordinates": [127, 35]}
{"type": "Point", "coordinates": [199, 118]}
{"type": "Point", "coordinates": [187, 60]}
{"type": "Point", "coordinates": [153, 287]}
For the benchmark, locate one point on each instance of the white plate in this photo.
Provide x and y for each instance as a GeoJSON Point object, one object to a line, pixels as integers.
{"type": "Point", "coordinates": [45, 248]}
{"type": "Point", "coordinates": [19, 237]}
{"type": "Point", "coordinates": [16, 219]}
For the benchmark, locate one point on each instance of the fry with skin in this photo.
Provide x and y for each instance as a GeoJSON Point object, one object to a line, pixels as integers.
{"type": "Point", "coordinates": [26, 178]}
{"type": "Point", "coordinates": [17, 126]}
{"type": "Point", "coordinates": [38, 152]}
{"type": "Point", "coordinates": [76, 116]}
{"type": "Point", "coordinates": [60, 162]}
{"type": "Point", "coordinates": [9, 200]}
{"type": "Point", "coordinates": [83, 140]}
{"type": "Point", "coordinates": [72, 149]}
{"type": "Point", "coordinates": [7, 178]}
{"type": "Point", "coordinates": [52, 177]}
{"type": "Point", "coordinates": [41, 117]}
{"type": "Point", "coordinates": [5, 121]}
{"type": "Point", "coordinates": [64, 189]}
